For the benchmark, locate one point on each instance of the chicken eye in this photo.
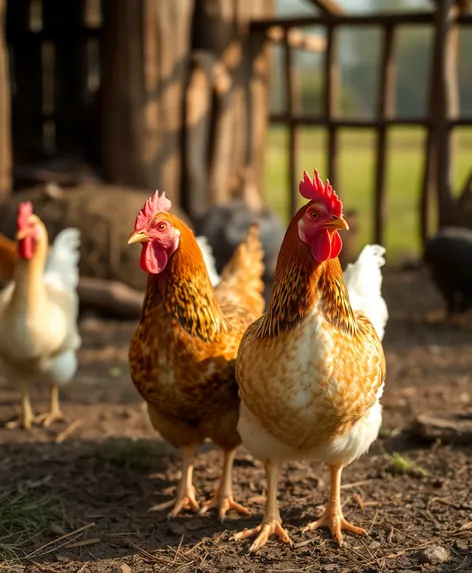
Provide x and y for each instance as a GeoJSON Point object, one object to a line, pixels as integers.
{"type": "Point", "coordinates": [314, 215]}
{"type": "Point", "coordinates": [161, 226]}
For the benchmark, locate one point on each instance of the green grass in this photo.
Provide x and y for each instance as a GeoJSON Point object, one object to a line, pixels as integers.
{"type": "Point", "coordinates": [356, 177]}
{"type": "Point", "coordinates": [23, 514]}
{"type": "Point", "coordinates": [402, 465]}
{"type": "Point", "coordinates": [139, 455]}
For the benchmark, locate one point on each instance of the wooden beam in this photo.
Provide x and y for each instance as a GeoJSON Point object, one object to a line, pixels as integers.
{"type": "Point", "coordinates": [329, 6]}
{"type": "Point", "coordinates": [331, 103]}
{"type": "Point", "coordinates": [383, 19]}
{"type": "Point", "coordinates": [297, 39]}
{"type": "Point", "coordinates": [5, 113]}
{"type": "Point", "coordinates": [323, 121]}
{"type": "Point", "coordinates": [385, 109]}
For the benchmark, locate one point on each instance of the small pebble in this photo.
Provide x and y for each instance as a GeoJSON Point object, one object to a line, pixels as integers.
{"type": "Point", "coordinates": [123, 569]}
{"type": "Point", "coordinates": [374, 544]}
{"type": "Point", "coordinates": [328, 568]}
{"type": "Point", "coordinates": [461, 545]}
{"type": "Point", "coordinates": [434, 554]}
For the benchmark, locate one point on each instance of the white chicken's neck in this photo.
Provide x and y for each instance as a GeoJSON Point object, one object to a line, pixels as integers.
{"type": "Point", "coordinates": [29, 291]}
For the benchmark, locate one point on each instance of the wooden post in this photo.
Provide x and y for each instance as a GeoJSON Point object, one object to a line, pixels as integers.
{"type": "Point", "coordinates": [198, 104]}
{"type": "Point", "coordinates": [437, 173]}
{"type": "Point", "coordinates": [5, 114]}
{"type": "Point", "coordinates": [223, 29]}
{"type": "Point", "coordinates": [331, 104]}
{"type": "Point", "coordinates": [291, 100]}
{"type": "Point", "coordinates": [145, 49]}
{"type": "Point", "coordinates": [385, 109]}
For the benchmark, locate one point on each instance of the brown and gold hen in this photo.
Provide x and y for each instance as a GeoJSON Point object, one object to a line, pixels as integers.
{"type": "Point", "coordinates": [311, 370]}
{"type": "Point", "coordinates": [183, 352]}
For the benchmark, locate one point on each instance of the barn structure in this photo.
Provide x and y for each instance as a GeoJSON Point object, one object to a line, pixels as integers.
{"type": "Point", "coordinates": [147, 92]}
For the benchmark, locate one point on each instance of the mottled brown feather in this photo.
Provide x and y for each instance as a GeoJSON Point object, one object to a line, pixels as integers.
{"type": "Point", "coordinates": [183, 352]}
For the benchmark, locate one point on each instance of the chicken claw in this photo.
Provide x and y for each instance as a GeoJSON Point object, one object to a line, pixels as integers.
{"type": "Point", "coordinates": [223, 498]}
{"type": "Point", "coordinates": [223, 503]}
{"type": "Point", "coordinates": [263, 532]}
{"type": "Point", "coordinates": [54, 414]}
{"type": "Point", "coordinates": [48, 418]}
{"type": "Point", "coordinates": [181, 502]}
{"type": "Point", "coordinates": [26, 419]}
{"type": "Point", "coordinates": [22, 423]}
{"type": "Point", "coordinates": [334, 520]}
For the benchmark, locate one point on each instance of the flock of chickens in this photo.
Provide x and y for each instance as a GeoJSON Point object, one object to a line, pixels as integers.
{"type": "Point", "coordinates": [300, 382]}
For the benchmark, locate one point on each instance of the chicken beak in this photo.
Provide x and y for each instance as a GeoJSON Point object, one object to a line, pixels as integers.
{"type": "Point", "coordinates": [339, 223]}
{"type": "Point", "coordinates": [137, 237]}
{"type": "Point", "coordinates": [21, 234]}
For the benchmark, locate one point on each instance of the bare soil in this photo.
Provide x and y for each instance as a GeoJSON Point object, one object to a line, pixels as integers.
{"type": "Point", "coordinates": [112, 467]}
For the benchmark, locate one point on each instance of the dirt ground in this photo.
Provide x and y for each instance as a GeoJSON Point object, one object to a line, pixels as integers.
{"type": "Point", "coordinates": [105, 474]}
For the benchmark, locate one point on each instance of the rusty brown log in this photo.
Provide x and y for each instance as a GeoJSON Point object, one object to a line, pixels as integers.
{"type": "Point", "coordinates": [111, 298]}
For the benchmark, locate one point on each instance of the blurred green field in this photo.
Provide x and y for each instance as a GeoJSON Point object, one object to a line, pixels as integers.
{"type": "Point", "coordinates": [356, 178]}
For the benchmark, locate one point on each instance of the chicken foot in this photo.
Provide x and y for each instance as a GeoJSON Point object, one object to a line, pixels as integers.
{"type": "Point", "coordinates": [333, 517]}
{"type": "Point", "coordinates": [25, 420]}
{"type": "Point", "coordinates": [223, 497]}
{"type": "Point", "coordinates": [185, 495]}
{"type": "Point", "coordinates": [271, 523]}
{"type": "Point", "coordinates": [54, 414]}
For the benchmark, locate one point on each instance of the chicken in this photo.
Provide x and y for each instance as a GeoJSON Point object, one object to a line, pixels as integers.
{"type": "Point", "coordinates": [7, 259]}
{"type": "Point", "coordinates": [208, 259]}
{"type": "Point", "coordinates": [311, 370]}
{"type": "Point", "coordinates": [444, 255]}
{"type": "Point", "coordinates": [364, 285]}
{"type": "Point", "coordinates": [38, 314]}
{"type": "Point", "coordinates": [183, 352]}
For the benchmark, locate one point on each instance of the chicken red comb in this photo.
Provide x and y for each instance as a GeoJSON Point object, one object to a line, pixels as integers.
{"type": "Point", "coordinates": [315, 189]}
{"type": "Point", "coordinates": [153, 205]}
{"type": "Point", "coordinates": [25, 210]}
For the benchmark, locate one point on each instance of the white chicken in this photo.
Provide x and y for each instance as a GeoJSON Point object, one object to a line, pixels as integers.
{"type": "Point", "coordinates": [38, 315]}
{"type": "Point", "coordinates": [364, 284]}
{"type": "Point", "coordinates": [209, 259]}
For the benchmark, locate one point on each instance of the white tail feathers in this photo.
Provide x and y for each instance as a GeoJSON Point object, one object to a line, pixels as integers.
{"type": "Point", "coordinates": [209, 259]}
{"type": "Point", "coordinates": [62, 265]}
{"type": "Point", "coordinates": [364, 284]}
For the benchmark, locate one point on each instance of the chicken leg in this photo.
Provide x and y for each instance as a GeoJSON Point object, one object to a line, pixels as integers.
{"type": "Point", "coordinates": [26, 417]}
{"type": "Point", "coordinates": [185, 496]}
{"type": "Point", "coordinates": [271, 524]}
{"type": "Point", "coordinates": [333, 517]}
{"type": "Point", "coordinates": [223, 498]}
{"type": "Point", "coordinates": [54, 414]}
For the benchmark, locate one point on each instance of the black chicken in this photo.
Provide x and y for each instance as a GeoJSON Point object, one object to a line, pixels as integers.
{"type": "Point", "coordinates": [449, 257]}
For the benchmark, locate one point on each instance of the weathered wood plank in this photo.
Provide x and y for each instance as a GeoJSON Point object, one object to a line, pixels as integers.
{"type": "Point", "coordinates": [331, 103]}
{"type": "Point", "coordinates": [145, 47]}
{"type": "Point", "coordinates": [222, 28]}
{"type": "Point", "coordinates": [5, 113]}
{"type": "Point", "coordinates": [385, 109]}
{"type": "Point", "coordinates": [292, 98]}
